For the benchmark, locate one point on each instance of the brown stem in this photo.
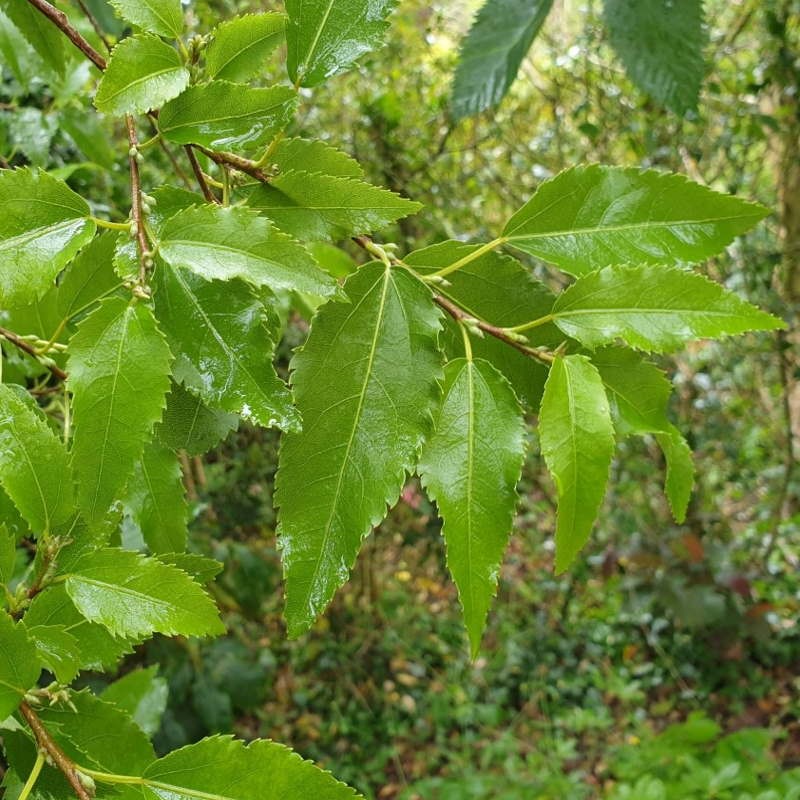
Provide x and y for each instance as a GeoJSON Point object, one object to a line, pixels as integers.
{"type": "Point", "coordinates": [136, 199]}
{"type": "Point", "coordinates": [57, 755]}
{"type": "Point", "coordinates": [94, 23]}
{"type": "Point", "coordinates": [61, 21]}
{"type": "Point", "coordinates": [28, 348]}
{"type": "Point", "coordinates": [198, 173]}
{"type": "Point", "coordinates": [238, 163]}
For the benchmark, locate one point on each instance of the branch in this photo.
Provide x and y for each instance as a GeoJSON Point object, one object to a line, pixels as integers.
{"type": "Point", "coordinates": [238, 163]}
{"type": "Point", "coordinates": [137, 212]}
{"type": "Point", "coordinates": [61, 21]}
{"type": "Point", "coordinates": [198, 173]}
{"type": "Point", "coordinates": [28, 348]}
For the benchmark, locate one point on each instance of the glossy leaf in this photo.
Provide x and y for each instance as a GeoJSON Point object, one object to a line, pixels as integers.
{"type": "Point", "coordinates": [39, 32]}
{"type": "Point", "coordinates": [58, 650]}
{"type": "Point", "coordinates": [594, 216]}
{"type": "Point", "coordinates": [202, 569]}
{"type": "Point", "coordinates": [163, 17]}
{"type": "Point", "coordinates": [577, 442]}
{"type": "Point", "coordinates": [142, 695]}
{"type": "Point", "coordinates": [241, 45]}
{"type": "Point", "coordinates": [363, 424]}
{"type": "Point", "coordinates": [680, 471]}
{"type": "Point", "coordinates": [19, 664]}
{"type": "Point", "coordinates": [313, 155]}
{"type": "Point", "coordinates": [470, 466]}
{"type": "Point", "coordinates": [8, 554]}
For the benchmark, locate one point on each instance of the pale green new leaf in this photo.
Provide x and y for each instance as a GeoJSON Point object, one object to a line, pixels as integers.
{"type": "Point", "coordinates": [241, 45]}
{"type": "Point", "coordinates": [680, 471]}
{"type": "Point", "coordinates": [59, 650]}
{"type": "Point", "coordinates": [661, 45]}
{"type": "Point", "coordinates": [118, 374]}
{"type": "Point", "coordinates": [38, 31]}
{"type": "Point", "coordinates": [43, 224]}
{"type": "Point", "coordinates": [227, 116]}
{"type": "Point", "coordinates": [325, 37]}
{"type": "Point", "coordinates": [653, 308]}
{"type": "Point", "coordinates": [366, 385]}
{"type": "Point", "coordinates": [223, 243]}
{"type": "Point", "coordinates": [589, 217]}
{"type": "Point", "coordinates": [315, 207]}
{"type": "Point", "coordinates": [470, 466]}
{"type": "Point", "coordinates": [142, 694]}
{"type": "Point", "coordinates": [492, 52]}
{"type": "Point", "coordinates": [143, 73]}
{"type": "Point", "coordinates": [34, 467]}
{"type": "Point", "coordinates": [577, 441]}
{"type": "Point", "coordinates": [19, 664]}
{"type": "Point", "coordinates": [133, 596]}
{"type": "Point", "coordinates": [164, 17]}
{"type": "Point", "coordinates": [313, 155]}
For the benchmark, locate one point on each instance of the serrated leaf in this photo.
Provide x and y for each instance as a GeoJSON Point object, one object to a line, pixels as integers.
{"type": "Point", "coordinates": [224, 243]}
{"type": "Point", "coordinates": [325, 37]}
{"type": "Point", "coordinates": [577, 442]}
{"type": "Point", "coordinates": [241, 45]}
{"type": "Point", "coordinates": [315, 207]}
{"type": "Point", "coordinates": [201, 568]}
{"type": "Point", "coordinates": [680, 471]}
{"type": "Point", "coordinates": [143, 73]}
{"type": "Point", "coordinates": [142, 695]}
{"type": "Point", "coordinates": [58, 649]}
{"type": "Point", "coordinates": [163, 17]}
{"type": "Point", "coordinates": [43, 224]}
{"type": "Point", "coordinates": [661, 45]}
{"type": "Point", "coordinates": [19, 664]}
{"type": "Point", "coordinates": [313, 155]}
{"type": "Point", "coordinates": [224, 347]}
{"type": "Point", "coordinates": [156, 501]}
{"type": "Point", "coordinates": [8, 553]}
{"type": "Point", "coordinates": [34, 468]}
{"type": "Point", "coordinates": [39, 32]}
{"type": "Point", "coordinates": [653, 308]}
{"type": "Point", "coordinates": [492, 52]}
{"type": "Point", "coordinates": [227, 116]}
{"type": "Point", "coordinates": [363, 424]}
{"type": "Point", "coordinates": [589, 217]}
{"type": "Point", "coordinates": [134, 596]}
{"type": "Point", "coordinates": [118, 375]}
{"type": "Point", "coordinates": [470, 467]}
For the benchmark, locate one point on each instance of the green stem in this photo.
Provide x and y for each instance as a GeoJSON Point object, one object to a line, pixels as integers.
{"type": "Point", "coordinates": [112, 226]}
{"type": "Point", "coordinates": [270, 151]}
{"type": "Point", "coordinates": [134, 780]}
{"type": "Point", "coordinates": [467, 343]}
{"type": "Point", "coordinates": [536, 323]}
{"type": "Point", "coordinates": [462, 262]}
{"type": "Point", "coordinates": [33, 777]}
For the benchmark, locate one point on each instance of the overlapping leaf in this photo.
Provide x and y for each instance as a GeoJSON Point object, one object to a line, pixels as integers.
{"type": "Point", "coordinates": [57, 648]}
{"type": "Point", "coordinates": [313, 155]}
{"type": "Point", "coordinates": [680, 471]}
{"type": "Point", "coordinates": [39, 32]}
{"type": "Point", "coordinates": [89, 277]}
{"type": "Point", "coordinates": [142, 695]}
{"type": "Point", "coordinates": [163, 17]}
{"type": "Point", "coordinates": [241, 45]}
{"type": "Point", "coordinates": [19, 664]}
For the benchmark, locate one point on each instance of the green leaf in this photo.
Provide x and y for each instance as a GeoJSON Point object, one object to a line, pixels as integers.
{"type": "Point", "coordinates": [661, 45]}
{"type": "Point", "coordinates": [34, 468]}
{"type": "Point", "coordinates": [223, 243]}
{"type": "Point", "coordinates": [315, 207]}
{"type": "Point", "coordinates": [227, 116]}
{"type": "Point", "coordinates": [577, 441]}
{"type": "Point", "coordinates": [163, 17]}
{"type": "Point", "coordinates": [225, 348]}
{"type": "Point", "coordinates": [363, 424]}
{"type": "Point", "coordinates": [134, 596]}
{"type": "Point", "coordinates": [43, 224]}
{"type": "Point", "coordinates": [492, 52]}
{"type": "Point", "coordinates": [470, 466]}
{"type": "Point", "coordinates": [143, 73]}
{"type": "Point", "coordinates": [594, 216]}
{"type": "Point", "coordinates": [241, 45]}
{"type": "Point", "coordinates": [19, 664]}
{"type": "Point", "coordinates": [141, 694]}
{"type": "Point", "coordinates": [325, 37]}
{"type": "Point", "coordinates": [680, 471]}
{"type": "Point", "coordinates": [118, 374]}
{"type": "Point", "coordinates": [228, 769]}
{"type": "Point", "coordinates": [155, 500]}
{"type": "Point", "coordinates": [39, 32]}
{"type": "Point", "coordinates": [202, 569]}
{"type": "Point", "coordinates": [313, 155]}
{"type": "Point", "coordinates": [8, 554]}
{"type": "Point", "coordinates": [653, 308]}
{"type": "Point", "coordinates": [58, 649]}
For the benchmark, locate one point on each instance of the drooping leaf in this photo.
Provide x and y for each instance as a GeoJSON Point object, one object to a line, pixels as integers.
{"type": "Point", "coordinates": [661, 43]}
{"type": "Point", "coordinates": [577, 441]}
{"type": "Point", "coordinates": [241, 45]}
{"type": "Point", "coordinates": [316, 207]}
{"type": "Point", "coordinates": [653, 308]}
{"type": "Point", "coordinates": [134, 596]}
{"type": "Point", "coordinates": [43, 224]}
{"type": "Point", "coordinates": [19, 664]}
{"type": "Point", "coordinates": [492, 52]}
{"type": "Point", "coordinates": [227, 116]}
{"type": "Point", "coordinates": [470, 466]}
{"type": "Point", "coordinates": [680, 471]}
{"type": "Point", "coordinates": [163, 17]}
{"type": "Point", "coordinates": [313, 155]}
{"type": "Point", "coordinates": [39, 32]}
{"type": "Point", "coordinates": [34, 467]}
{"type": "Point", "coordinates": [58, 650]}
{"type": "Point", "coordinates": [143, 72]}
{"type": "Point", "coordinates": [363, 424]}
{"type": "Point", "coordinates": [142, 695]}
{"type": "Point", "coordinates": [224, 243]}
{"type": "Point", "coordinates": [589, 217]}
{"type": "Point", "coordinates": [118, 374]}
{"type": "Point", "coordinates": [325, 37]}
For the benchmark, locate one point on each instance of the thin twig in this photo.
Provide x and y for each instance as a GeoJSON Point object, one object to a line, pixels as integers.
{"type": "Point", "coordinates": [28, 348]}
{"type": "Point", "coordinates": [61, 21]}
{"type": "Point", "coordinates": [198, 173]}
{"type": "Point", "coordinates": [238, 163]}
{"type": "Point", "coordinates": [136, 199]}
{"type": "Point", "coordinates": [94, 23]}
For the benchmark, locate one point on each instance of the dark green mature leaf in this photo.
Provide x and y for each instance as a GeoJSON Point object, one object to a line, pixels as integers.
{"type": "Point", "coordinates": [134, 596]}
{"type": "Point", "coordinates": [225, 348]}
{"type": "Point", "coordinates": [594, 216]}
{"type": "Point", "coordinates": [364, 420]}
{"type": "Point", "coordinates": [227, 116]}
{"type": "Point", "coordinates": [577, 441]}
{"type": "Point", "coordinates": [202, 569]}
{"type": "Point", "coordinates": [143, 73]}
{"type": "Point", "coordinates": [89, 277]}
{"type": "Point", "coordinates": [653, 308]}
{"type": "Point", "coordinates": [58, 649]}
{"type": "Point", "coordinates": [492, 52]}
{"type": "Point", "coordinates": [313, 155]}
{"type": "Point", "coordinates": [661, 45]}
{"type": "Point", "coordinates": [224, 243]}
{"type": "Point", "coordinates": [680, 471]}
{"type": "Point", "coordinates": [315, 207]}
{"type": "Point", "coordinates": [39, 32]}
{"type": "Point", "coordinates": [141, 694]}
{"type": "Point", "coordinates": [164, 17]}
{"type": "Point", "coordinates": [325, 37]}
{"type": "Point", "coordinates": [241, 45]}
{"type": "Point", "coordinates": [470, 466]}
{"type": "Point", "coordinates": [118, 373]}
{"type": "Point", "coordinates": [43, 224]}
{"type": "Point", "coordinates": [19, 664]}
{"type": "Point", "coordinates": [34, 468]}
